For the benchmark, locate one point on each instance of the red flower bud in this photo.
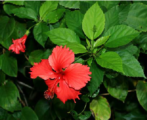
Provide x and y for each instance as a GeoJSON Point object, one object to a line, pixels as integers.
{"type": "Point", "coordinates": [18, 45]}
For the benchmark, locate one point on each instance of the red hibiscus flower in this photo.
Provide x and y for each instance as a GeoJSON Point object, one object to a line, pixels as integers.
{"type": "Point", "coordinates": [62, 76]}
{"type": "Point", "coordinates": [18, 45]}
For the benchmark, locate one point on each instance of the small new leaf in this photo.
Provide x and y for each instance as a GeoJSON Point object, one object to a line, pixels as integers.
{"type": "Point", "coordinates": [101, 41]}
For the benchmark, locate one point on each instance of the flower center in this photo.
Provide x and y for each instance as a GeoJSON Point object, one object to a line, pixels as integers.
{"type": "Point", "coordinates": [61, 74]}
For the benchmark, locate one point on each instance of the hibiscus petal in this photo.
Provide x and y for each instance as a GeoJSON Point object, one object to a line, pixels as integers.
{"type": "Point", "coordinates": [64, 92]}
{"type": "Point", "coordinates": [51, 83]}
{"type": "Point", "coordinates": [61, 58]}
{"type": "Point", "coordinates": [77, 75]}
{"type": "Point", "coordinates": [16, 48]}
{"type": "Point", "coordinates": [42, 70]}
{"type": "Point", "coordinates": [23, 39]}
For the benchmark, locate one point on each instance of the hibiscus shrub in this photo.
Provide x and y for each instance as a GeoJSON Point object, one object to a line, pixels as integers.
{"type": "Point", "coordinates": [73, 60]}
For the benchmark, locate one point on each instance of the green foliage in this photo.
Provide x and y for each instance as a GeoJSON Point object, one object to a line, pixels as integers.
{"type": "Point", "coordinates": [117, 87]}
{"type": "Point", "coordinates": [37, 55]}
{"type": "Point", "coordinates": [2, 77]}
{"type": "Point", "coordinates": [74, 22]}
{"type": "Point", "coordinates": [108, 36]}
{"type": "Point", "coordinates": [70, 4]}
{"type": "Point", "coordinates": [26, 111]}
{"type": "Point", "coordinates": [93, 22]}
{"type": "Point", "coordinates": [120, 35]}
{"type": "Point", "coordinates": [54, 16]}
{"type": "Point", "coordinates": [141, 93]}
{"type": "Point", "coordinates": [7, 26]}
{"type": "Point", "coordinates": [131, 66]}
{"type": "Point", "coordinates": [39, 33]}
{"type": "Point", "coordinates": [101, 41]}
{"type": "Point", "coordinates": [137, 16]}
{"type": "Point", "coordinates": [9, 65]}
{"type": "Point", "coordinates": [76, 47]}
{"type": "Point", "coordinates": [100, 108]}
{"type": "Point", "coordinates": [63, 36]}
{"type": "Point", "coordinates": [9, 96]}
{"type": "Point", "coordinates": [23, 12]}
{"type": "Point", "coordinates": [46, 8]}
{"type": "Point", "coordinates": [97, 78]}
{"type": "Point", "coordinates": [110, 60]}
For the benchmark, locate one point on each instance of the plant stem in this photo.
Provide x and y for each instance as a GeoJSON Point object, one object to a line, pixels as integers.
{"type": "Point", "coordinates": [80, 56]}
{"type": "Point", "coordinates": [83, 109]}
{"type": "Point", "coordinates": [26, 57]}
{"type": "Point", "coordinates": [104, 94]}
{"type": "Point", "coordinates": [25, 85]}
{"type": "Point", "coordinates": [24, 103]}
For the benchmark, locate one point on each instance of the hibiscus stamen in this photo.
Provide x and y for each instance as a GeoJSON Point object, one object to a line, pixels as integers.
{"type": "Point", "coordinates": [49, 94]}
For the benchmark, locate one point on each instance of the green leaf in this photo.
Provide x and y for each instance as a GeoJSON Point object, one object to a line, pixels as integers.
{"type": "Point", "coordinates": [34, 5]}
{"type": "Point", "coordinates": [54, 16]}
{"type": "Point", "coordinates": [123, 13]}
{"type": "Point", "coordinates": [141, 92]}
{"type": "Point", "coordinates": [15, 2]}
{"type": "Point", "coordinates": [23, 12]}
{"type": "Point", "coordinates": [7, 26]}
{"type": "Point", "coordinates": [79, 60]}
{"type": "Point", "coordinates": [3, 114]}
{"type": "Point", "coordinates": [1, 61]}
{"type": "Point", "coordinates": [118, 87]}
{"type": "Point", "coordinates": [85, 116]}
{"type": "Point", "coordinates": [89, 61]}
{"type": "Point", "coordinates": [101, 41]}
{"type": "Point", "coordinates": [10, 117]}
{"type": "Point", "coordinates": [120, 35]}
{"type": "Point", "coordinates": [110, 60]}
{"type": "Point", "coordinates": [135, 115]}
{"type": "Point", "coordinates": [85, 98]}
{"type": "Point", "coordinates": [132, 49]}
{"type": "Point", "coordinates": [137, 16]}
{"type": "Point", "coordinates": [61, 109]}
{"type": "Point", "coordinates": [2, 77]}
{"type": "Point", "coordinates": [131, 66]}
{"type": "Point", "coordinates": [85, 5]}
{"type": "Point", "coordinates": [108, 4]}
{"type": "Point", "coordinates": [96, 78]}
{"type": "Point", "coordinates": [100, 108]}
{"type": "Point", "coordinates": [28, 114]}
{"type": "Point", "coordinates": [70, 4]}
{"type": "Point", "coordinates": [9, 95]}
{"type": "Point", "coordinates": [8, 8]}
{"type": "Point", "coordinates": [39, 33]}
{"type": "Point", "coordinates": [93, 22]}
{"type": "Point", "coordinates": [18, 32]}
{"type": "Point", "coordinates": [43, 110]}
{"type": "Point", "coordinates": [37, 55]}
{"type": "Point", "coordinates": [74, 22]}
{"type": "Point", "coordinates": [47, 7]}
{"type": "Point", "coordinates": [141, 39]}
{"type": "Point", "coordinates": [9, 65]}
{"type": "Point", "coordinates": [62, 36]}
{"type": "Point", "coordinates": [76, 47]}
{"type": "Point", "coordinates": [112, 17]}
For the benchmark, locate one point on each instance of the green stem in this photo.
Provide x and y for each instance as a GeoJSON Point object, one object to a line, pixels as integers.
{"type": "Point", "coordinates": [83, 109]}
{"type": "Point", "coordinates": [92, 44]}
{"type": "Point", "coordinates": [80, 56]}
{"type": "Point", "coordinates": [32, 26]}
